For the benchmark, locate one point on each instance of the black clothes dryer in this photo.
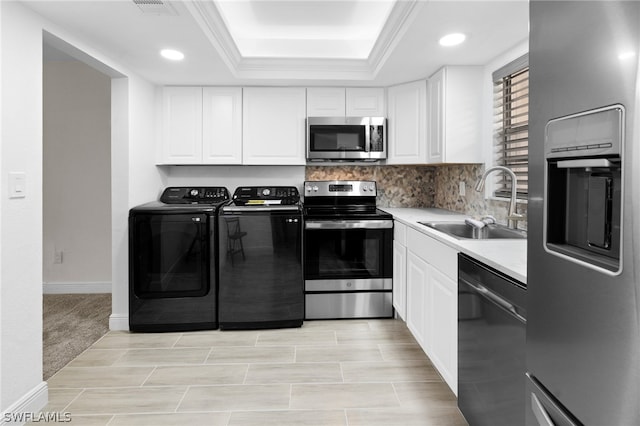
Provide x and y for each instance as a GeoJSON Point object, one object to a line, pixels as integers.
{"type": "Point", "coordinates": [173, 257]}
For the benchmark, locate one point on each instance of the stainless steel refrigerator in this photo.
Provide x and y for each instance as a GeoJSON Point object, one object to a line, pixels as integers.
{"type": "Point", "coordinates": [583, 328]}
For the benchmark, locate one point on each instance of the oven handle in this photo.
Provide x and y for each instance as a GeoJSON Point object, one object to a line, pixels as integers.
{"type": "Point", "coordinates": [349, 224]}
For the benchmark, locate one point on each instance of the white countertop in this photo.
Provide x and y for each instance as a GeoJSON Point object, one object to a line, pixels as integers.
{"type": "Point", "coordinates": [507, 256]}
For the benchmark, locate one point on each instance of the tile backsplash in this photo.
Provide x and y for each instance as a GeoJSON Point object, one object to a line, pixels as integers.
{"type": "Point", "coordinates": [422, 186]}
{"type": "Point", "coordinates": [398, 186]}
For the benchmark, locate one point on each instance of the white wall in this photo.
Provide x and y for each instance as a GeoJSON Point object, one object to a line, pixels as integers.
{"type": "Point", "coordinates": [135, 178]}
{"type": "Point", "coordinates": [133, 124]}
{"type": "Point", "coordinates": [76, 177]}
{"type": "Point", "coordinates": [21, 218]}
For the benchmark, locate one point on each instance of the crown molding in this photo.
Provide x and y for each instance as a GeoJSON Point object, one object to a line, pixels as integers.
{"type": "Point", "coordinates": [210, 20]}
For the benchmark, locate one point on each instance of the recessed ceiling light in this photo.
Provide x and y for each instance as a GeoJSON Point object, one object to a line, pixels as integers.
{"type": "Point", "coordinates": [452, 39]}
{"type": "Point", "coordinates": [171, 54]}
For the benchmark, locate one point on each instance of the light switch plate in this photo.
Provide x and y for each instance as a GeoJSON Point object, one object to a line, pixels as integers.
{"type": "Point", "coordinates": [17, 184]}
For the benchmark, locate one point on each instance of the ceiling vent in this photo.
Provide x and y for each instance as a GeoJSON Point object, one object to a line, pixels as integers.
{"type": "Point", "coordinates": [155, 7]}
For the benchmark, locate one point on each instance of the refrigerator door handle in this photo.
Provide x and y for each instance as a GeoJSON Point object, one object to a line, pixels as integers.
{"type": "Point", "coordinates": [482, 290]}
{"type": "Point", "coordinates": [539, 412]}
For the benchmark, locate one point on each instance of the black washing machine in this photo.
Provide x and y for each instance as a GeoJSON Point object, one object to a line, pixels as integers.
{"type": "Point", "coordinates": [261, 281]}
{"type": "Point", "coordinates": [173, 260]}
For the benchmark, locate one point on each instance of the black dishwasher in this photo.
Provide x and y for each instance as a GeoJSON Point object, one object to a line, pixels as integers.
{"type": "Point", "coordinates": [491, 345]}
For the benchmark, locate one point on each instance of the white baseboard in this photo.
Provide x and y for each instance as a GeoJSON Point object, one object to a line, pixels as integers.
{"type": "Point", "coordinates": [76, 287]}
{"type": "Point", "coordinates": [30, 404]}
{"type": "Point", "coordinates": [119, 322]}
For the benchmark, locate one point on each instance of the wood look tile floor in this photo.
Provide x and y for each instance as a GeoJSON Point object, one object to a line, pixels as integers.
{"type": "Point", "coordinates": [329, 373]}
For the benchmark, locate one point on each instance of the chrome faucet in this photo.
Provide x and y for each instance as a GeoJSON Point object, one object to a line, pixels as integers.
{"type": "Point", "coordinates": [512, 216]}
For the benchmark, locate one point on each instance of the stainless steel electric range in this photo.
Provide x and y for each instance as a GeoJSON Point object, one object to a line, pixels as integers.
{"type": "Point", "coordinates": [348, 251]}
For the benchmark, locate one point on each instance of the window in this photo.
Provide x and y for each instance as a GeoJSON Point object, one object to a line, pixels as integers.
{"type": "Point", "coordinates": [511, 125]}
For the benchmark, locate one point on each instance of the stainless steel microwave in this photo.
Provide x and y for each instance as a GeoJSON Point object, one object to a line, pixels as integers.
{"type": "Point", "coordinates": [346, 138]}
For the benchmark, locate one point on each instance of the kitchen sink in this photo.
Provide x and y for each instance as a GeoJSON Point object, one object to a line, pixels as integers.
{"type": "Point", "coordinates": [488, 232]}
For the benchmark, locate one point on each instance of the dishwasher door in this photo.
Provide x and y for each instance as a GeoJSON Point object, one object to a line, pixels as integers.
{"type": "Point", "coordinates": [491, 345]}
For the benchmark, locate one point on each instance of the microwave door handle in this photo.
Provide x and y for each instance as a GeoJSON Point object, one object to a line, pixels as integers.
{"type": "Point", "coordinates": [367, 137]}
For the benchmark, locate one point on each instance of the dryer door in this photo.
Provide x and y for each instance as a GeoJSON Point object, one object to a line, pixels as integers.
{"type": "Point", "coordinates": [170, 255]}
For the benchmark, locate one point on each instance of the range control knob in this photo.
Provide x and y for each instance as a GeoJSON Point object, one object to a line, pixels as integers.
{"type": "Point", "coordinates": [315, 188]}
{"type": "Point", "coordinates": [193, 193]}
{"type": "Point", "coordinates": [307, 188]}
{"type": "Point", "coordinates": [266, 192]}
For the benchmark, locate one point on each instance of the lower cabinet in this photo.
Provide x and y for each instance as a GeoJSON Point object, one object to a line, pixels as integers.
{"type": "Point", "coordinates": [417, 291]}
{"type": "Point", "coordinates": [432, 301]}
{"type": "Point", "coordinates": [400, 269]}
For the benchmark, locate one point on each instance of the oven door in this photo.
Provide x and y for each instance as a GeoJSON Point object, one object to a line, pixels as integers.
{"type": "Point", "coordinates": [348, 268]}
{"type": "Point", "coordinates": [338, 252]}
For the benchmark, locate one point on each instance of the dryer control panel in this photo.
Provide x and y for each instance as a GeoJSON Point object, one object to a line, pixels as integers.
{"type": "Point", "coordinates": [195, 195]}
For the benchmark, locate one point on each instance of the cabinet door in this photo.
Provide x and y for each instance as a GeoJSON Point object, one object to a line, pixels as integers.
{"type": "Point", "coordinates": [181, 125]}
{"type": "Point", "coordinates": [399, 279]}
{"type": "Point", "coordinates": [365, 102]}
{"type": "Point", "coordinates": [325, 102]}
{"type": "Point", "coordinates": [417, 281]}
{"type": "Point", "coordinates": [436, 125]}
{"type": "Point", "coordinates": [407, 123]}
{"type": "Point", "coordinates": [455, 115]}
{"type": "Point", "coordinates": [222, 125]}
{"type": "Point", "coordinates": [443, 325]}
{"type": "Point", "coordinates": [273, 125]}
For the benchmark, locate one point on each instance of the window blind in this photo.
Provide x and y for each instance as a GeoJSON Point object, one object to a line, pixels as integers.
{"type": "Point", "coordinates": [511, 125]}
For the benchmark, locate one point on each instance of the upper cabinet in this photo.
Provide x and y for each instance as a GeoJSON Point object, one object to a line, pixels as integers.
{"type": "Point", "coordinates": [365, 102]}
{"type": "Point", "coordinates": [222, 125]}
{"type": "Point", "coordinates": [181, 125]}
{"type": "Point", "coordinates": [273, 126]}
{"type": "Point", "coordinates": [326, 102]}
{"type": "Point", "coordinates": [349, 102]}
{"type": "Point", "coordinates": [455, 114]}
{"type": "Point", "coordinates": [407, 123]}
{"type": "Point", "coordinates": [201, 125]}
{"type": "Point", "coordinates": [437, 121]}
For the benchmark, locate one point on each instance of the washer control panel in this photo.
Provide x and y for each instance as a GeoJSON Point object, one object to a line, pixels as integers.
{"type": "Point", "coordinates": [261, 195]}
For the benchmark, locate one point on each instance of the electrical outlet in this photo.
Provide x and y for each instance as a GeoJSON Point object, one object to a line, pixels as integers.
{"type": "Point", "coordinates": [57, 257]}
{"type": "Point", "coordinates": [462, 190]}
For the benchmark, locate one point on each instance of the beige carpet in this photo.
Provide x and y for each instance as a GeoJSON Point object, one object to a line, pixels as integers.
{"type": "Point", "coordinates": [71, 323]}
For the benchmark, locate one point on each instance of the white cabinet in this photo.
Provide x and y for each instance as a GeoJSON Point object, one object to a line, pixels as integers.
{"type": "Point", "coordinates": [442, 327]}
{"type": "Point", "coordinates": [417, 291]}
{"type": "Point", "coordinates": [400, 269]}
{"type": "Point", "coordinates": [432, 301]}
{"type": "Point", "coordinates": [407, 123]}
{"type": "Point", "coordinates": [201, 125]}
{"type": "Point", "coordinates": [273, 125]}
{"type": "Point", "coordinates": [455, 115]}
{"type": "Point", "coordinates": [326, 102]}
{"type": "Point", "coordinates": [181, 125]}
{"type": "Point", "coordinates": [341, 102]}
{"type": "Point", "coordinates": [365, 102]}
{"type": "Point", "coordinates": [222, 125]}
